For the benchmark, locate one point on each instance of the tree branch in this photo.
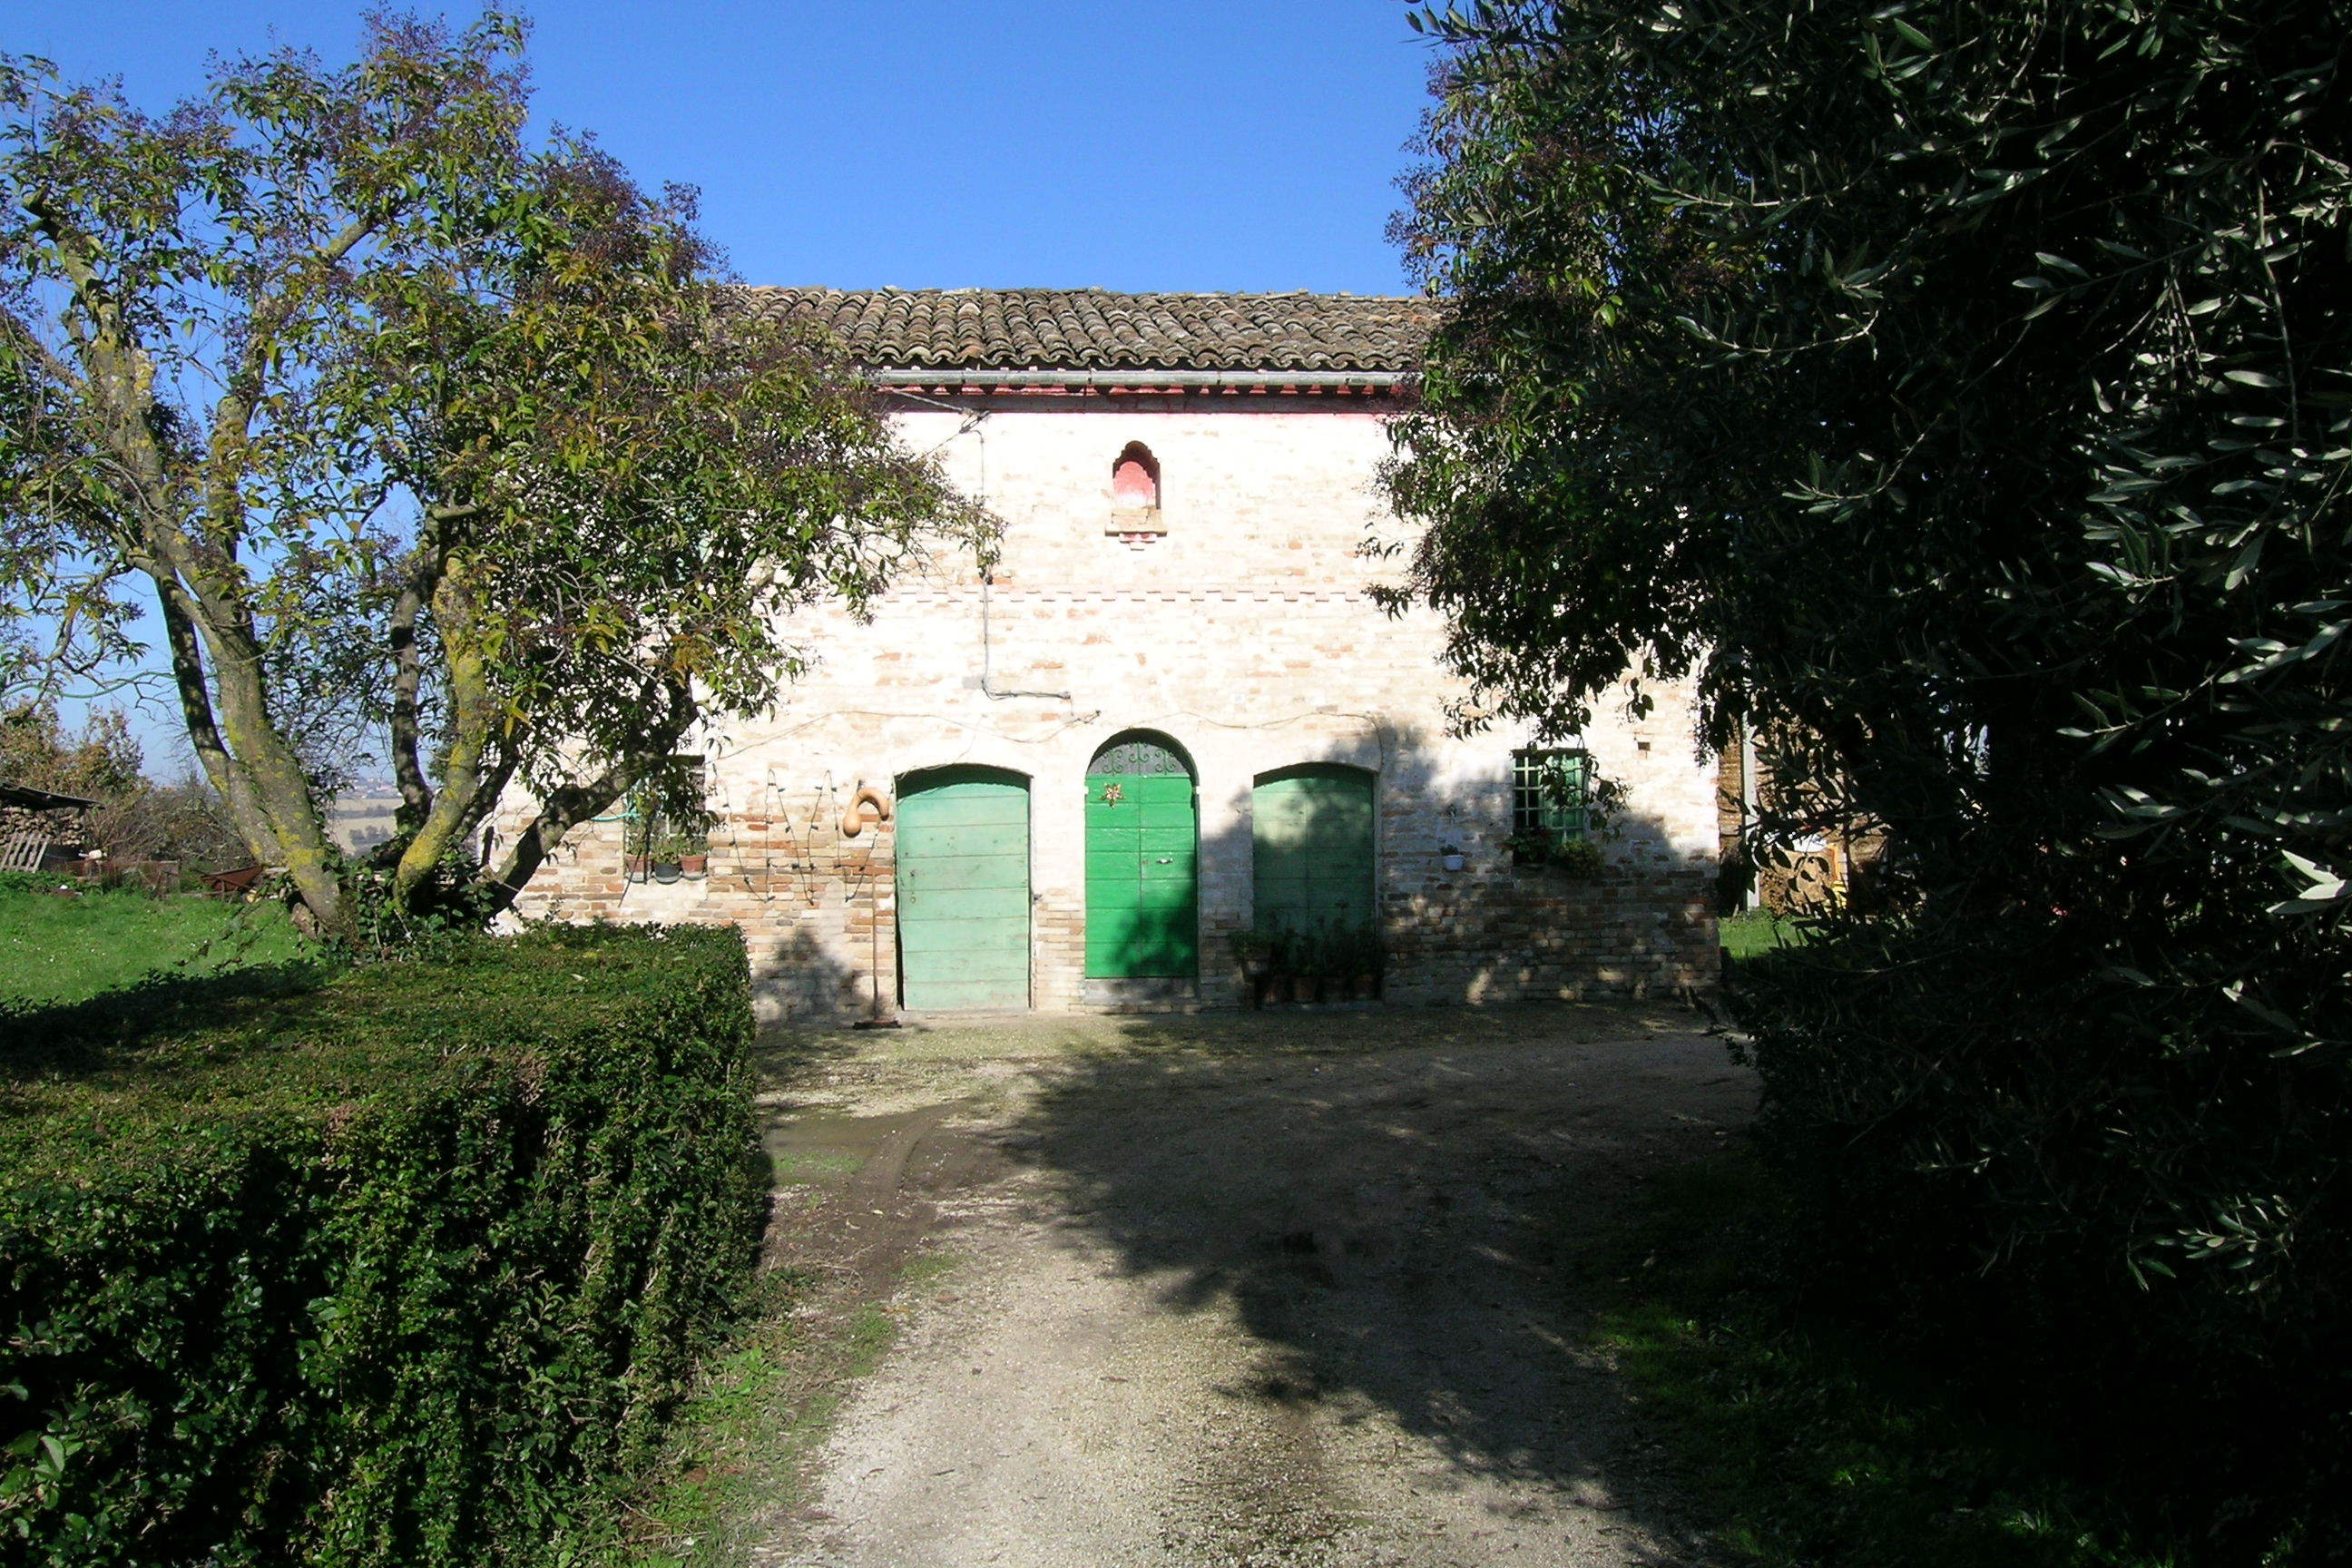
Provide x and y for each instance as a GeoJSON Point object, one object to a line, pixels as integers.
{"type": "Point", "coordinates": [196, 710]}
{"type": "Point", "coordinates": [408, 674]}
{"type": "Point", "coordinates": [473, 716]}
{"type": "Point", "coordinates": [566, 808]}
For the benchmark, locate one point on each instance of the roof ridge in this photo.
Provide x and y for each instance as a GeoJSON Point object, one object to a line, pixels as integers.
{"type": "Point", "coordinates": [1296, 331]}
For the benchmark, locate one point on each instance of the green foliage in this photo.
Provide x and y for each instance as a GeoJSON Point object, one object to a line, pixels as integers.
{"type": "Point", "coordinates": [133, 819]}
{"type": "Point", "coordinates": [101, 762]}
{"type": "Point", "coordinates": [1960, 394]}
{"type": "Point", "coordinates": [1808, 1434]}
{"type": "Point", "coordinates": [1576, 854]}
{"type": "Point", "coordinates": [398, 1269]}
{"type": "Point", "coordinates": [1325, 949]}
{"type": "Point", "coordinates": [1253, 948]}
{"type": "Point", "coordinates": [739, 1448]}
{"type": "Point", "coordinates": [416, 431]}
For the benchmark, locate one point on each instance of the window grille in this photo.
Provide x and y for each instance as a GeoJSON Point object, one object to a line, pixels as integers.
{"type": "Point", "coordinates": [668, 818]}
{"type": "Point", "coordinates": [1549, 804]}
{"type": "Point", "coordinates": [1144, 759]}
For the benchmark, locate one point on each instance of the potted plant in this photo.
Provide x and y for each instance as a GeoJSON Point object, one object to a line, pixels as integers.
{"type": "Point", "coordinates": [666, 850]}
{"type": "Point", "coordinates": [1577, 856]}
{"type": "Point", "coordinates": [1531, 847]}
{"type": "Point", "coordinates": [1322, 961]}
{"type": "Point", "coordinates": [692, 824]}
{"type": "Point", "coordinates": [1255, 949]}
{"type": "Point", "coordinates": [1452, 858]}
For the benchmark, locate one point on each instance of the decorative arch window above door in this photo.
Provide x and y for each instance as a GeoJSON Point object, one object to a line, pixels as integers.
{"type": "Point", "coordinates": [1135, 514]}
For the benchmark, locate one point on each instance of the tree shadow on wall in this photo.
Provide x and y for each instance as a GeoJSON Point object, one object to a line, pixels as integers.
{"type": "Point", "coordinates": [811, 995]}
{"type": "Point", "coordinates": [1490, 930]}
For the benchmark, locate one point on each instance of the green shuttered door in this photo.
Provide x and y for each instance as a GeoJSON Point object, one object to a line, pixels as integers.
{"type": "Point", "coordinates": [1311, 842]}
{"type": "Point", "coordinates": [1143, 914]}
{"type": "Point", "coordinates": [964, 891]}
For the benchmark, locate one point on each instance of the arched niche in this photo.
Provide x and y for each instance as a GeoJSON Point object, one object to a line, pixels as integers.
{"type": "Point", "coordinates": [1135, 496]}
{"type": "Point", "coordinates": [1135, 479]}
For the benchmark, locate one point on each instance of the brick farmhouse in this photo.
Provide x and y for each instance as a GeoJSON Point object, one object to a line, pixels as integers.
{"type": "Point", "coordinates": [1170, 712]}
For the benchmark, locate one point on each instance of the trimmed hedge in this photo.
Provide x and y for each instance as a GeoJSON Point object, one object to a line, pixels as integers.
{"type": "Point", "coordinates": [395, 1270]}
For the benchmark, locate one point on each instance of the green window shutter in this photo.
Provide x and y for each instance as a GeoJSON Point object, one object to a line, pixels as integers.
{"type": "Point", "coordinates": [1142, 828]}
{"type": "Point", "coordinates": [963, 890]}
{"type": "Point", "coordinates": [1311, 842]}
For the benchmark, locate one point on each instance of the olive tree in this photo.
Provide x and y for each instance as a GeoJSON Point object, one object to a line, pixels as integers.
{"type": "Point", "coordinates": [1962, 392]}
{"type": "Point", "coordinates": [414, 428]}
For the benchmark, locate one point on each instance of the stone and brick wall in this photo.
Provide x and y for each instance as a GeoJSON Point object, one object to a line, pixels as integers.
{"type": "Point", "coordinates": [1244, 634]}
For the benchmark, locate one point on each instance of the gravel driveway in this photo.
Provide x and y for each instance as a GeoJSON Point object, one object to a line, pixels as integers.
{"type": "Point", "coordinates": [1278, 1289]}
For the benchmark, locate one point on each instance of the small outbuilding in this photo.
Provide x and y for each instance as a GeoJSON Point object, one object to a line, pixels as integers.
{"type": "Point", "coordinates": [39, 826]}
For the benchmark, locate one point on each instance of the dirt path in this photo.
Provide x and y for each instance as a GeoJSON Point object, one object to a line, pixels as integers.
{"type": "Point", "coordinates": [1293, 1290]}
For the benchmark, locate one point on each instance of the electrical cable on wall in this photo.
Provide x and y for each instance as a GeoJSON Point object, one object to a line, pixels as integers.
{"type": "Point", "coordinates": [975, 421]}
{"type": "Point", "coordinates": [987, 579]}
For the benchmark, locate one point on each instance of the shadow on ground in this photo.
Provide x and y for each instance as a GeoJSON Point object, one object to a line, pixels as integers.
{"type": "Point", "coordinates": [103, 1033]}
{"type": "Point", "coordinates": [1400, 1207]}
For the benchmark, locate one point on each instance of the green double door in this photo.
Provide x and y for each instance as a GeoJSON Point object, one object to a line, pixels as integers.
{"type": "Point", "coordinates": [963, 890]}
{"type": "Point", "coordinates": [1143, 906]}
{"type": "Point", "coordinates": [1311, 849]}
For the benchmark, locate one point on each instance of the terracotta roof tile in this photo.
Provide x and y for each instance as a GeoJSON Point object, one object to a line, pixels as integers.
{"type": "Point", "coordinates": [1091, 329]}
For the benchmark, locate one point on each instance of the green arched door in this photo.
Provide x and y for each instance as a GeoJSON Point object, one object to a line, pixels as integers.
{"type": "Point", "coordinates": [1311, 849]}
{"type": "Point", "coordinates": [963, 889]}
{"type": "Point", "coordinates": [1143, 906]}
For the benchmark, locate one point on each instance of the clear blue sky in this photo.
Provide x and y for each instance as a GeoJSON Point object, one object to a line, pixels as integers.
{"type": "Point", "coordinates": [1132, 144]}
{"type": "Point", "coordinates": [1126, 143]}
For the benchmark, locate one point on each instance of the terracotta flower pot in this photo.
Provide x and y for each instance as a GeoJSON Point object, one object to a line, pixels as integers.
{"type": "Point", "coordinates": [1364, 987]}
{"type": "Point", "coordinates": [694, 864]}
{"type": "Point", "coordinates": [634, 866]}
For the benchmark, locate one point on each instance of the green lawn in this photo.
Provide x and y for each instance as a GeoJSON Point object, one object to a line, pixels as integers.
{"type": "Point", "coordinates": [56, 949]}
{"type": "Point", "coordinates": [1754, 931]}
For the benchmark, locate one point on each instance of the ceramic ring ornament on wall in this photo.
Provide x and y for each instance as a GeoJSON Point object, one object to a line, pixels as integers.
{"type": "Point", "coordinates": [853, 821]}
